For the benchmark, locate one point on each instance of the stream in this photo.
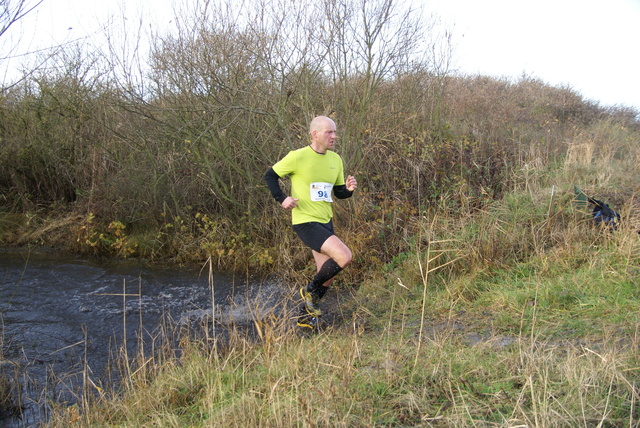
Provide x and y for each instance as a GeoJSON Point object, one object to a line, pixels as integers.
{"type": "Point", "coordinates": [63, 318]}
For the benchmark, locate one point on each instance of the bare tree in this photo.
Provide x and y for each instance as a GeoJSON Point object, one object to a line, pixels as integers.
{"type": "Point", "coordinates": [12, 11]}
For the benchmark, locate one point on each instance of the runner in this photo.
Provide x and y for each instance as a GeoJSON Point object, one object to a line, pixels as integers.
{"type": "Point", "coordinates": [316, 174]}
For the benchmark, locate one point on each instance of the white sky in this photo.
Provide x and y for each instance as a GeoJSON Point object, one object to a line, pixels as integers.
{"type": "Point", "coordinates": [589, 45]}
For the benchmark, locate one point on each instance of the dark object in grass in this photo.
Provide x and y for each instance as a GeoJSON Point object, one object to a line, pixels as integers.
{"type": "Point", "coordinates": [604, 216]}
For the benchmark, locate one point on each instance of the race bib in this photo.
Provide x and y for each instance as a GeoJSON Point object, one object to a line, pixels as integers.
{"type": "Point", "coordinates": [321, 192]}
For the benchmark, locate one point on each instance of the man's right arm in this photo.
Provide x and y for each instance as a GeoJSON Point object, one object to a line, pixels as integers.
{"type": "Point", "coordinates": [287, 202]}
{"type": "Point", "coordinates": [273, 183]}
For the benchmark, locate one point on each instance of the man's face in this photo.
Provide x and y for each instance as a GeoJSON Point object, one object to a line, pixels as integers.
{"type": "Point", "coordinates": [326, 135]}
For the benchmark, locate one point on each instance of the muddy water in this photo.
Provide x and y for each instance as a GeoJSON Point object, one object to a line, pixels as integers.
{"type": "Point", "coordinates": [62, 316]}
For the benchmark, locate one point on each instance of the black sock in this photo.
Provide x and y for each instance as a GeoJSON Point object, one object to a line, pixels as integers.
{"type": "Point", "coordinates": [320, 291]}
{"type": "Point", "coordinates": [327, 271]}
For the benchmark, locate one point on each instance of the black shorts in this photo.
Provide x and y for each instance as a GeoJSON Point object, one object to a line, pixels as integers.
{"type": "Point", "coordinates": [313, 234]}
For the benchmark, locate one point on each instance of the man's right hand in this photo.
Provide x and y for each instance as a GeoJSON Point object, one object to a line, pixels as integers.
{"type": "Point", "coordinates": [289, 203]}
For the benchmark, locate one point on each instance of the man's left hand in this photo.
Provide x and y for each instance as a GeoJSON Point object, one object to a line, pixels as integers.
{"type": "Point", "coordinates": [351, 183]}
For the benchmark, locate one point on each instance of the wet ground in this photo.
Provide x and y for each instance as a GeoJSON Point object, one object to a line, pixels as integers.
{"type": "Point", "coordinates": [63, 318]}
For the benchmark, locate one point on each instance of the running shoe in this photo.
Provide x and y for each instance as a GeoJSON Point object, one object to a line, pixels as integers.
{"type": "Point", "coordinates": [311, 302]}
{"type": "Point", "coordinates": [307, 321]}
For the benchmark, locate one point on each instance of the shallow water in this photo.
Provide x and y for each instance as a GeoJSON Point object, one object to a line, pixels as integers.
{"type": "Point", "coordinates": [62, 316]}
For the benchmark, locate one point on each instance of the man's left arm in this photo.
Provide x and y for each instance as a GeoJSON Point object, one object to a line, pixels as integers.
{"type": "Point", "coordinates": [344, 191]}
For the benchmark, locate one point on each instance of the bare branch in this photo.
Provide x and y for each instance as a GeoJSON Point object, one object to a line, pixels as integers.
{"type": "Point", "coordinates": [12, 11]}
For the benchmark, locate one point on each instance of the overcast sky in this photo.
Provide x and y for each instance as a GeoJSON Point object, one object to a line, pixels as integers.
{"type": "Point", "coordinates": [588, 45]}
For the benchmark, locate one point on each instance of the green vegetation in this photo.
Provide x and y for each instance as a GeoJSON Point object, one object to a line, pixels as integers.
{"type": "Point", "coordinates": [550, 339]}
{"type": "Point", "coordinates": [483, 293]}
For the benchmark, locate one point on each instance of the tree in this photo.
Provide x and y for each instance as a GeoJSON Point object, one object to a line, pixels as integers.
{"type": "Point", "coordinates": [12, 11]}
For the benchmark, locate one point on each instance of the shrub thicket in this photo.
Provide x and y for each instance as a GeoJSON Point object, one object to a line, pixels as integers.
{"type": "Point", "coordinates": [170, 163]}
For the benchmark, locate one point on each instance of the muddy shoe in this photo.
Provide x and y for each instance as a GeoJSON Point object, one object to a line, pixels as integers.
{"type": "Point", "coordinates": [307, 321]}
{"type": "Point", "coordinates": [311, 302]}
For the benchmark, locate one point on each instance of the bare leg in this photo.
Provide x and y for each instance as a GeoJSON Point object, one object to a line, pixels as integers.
{"type": "Point", "coordinates": [333, 248]}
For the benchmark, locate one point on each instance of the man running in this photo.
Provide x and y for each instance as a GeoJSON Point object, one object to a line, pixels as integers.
{"type": "Point", "coordinates": [316, 173]}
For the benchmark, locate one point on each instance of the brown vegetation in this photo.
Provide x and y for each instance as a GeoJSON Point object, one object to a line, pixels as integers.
{"type": "Point", "coordinates": [169, 163]}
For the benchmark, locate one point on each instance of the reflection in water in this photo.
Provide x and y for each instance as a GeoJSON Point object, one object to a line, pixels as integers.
{"type": "Point", "coordinates": [62, 316]}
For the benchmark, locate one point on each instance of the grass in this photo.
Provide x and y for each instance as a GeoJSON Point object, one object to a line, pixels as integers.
{"type": "Point", "coordinates": [443, 338]}
{"type": "Point", "coordinates": [518, 313]}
